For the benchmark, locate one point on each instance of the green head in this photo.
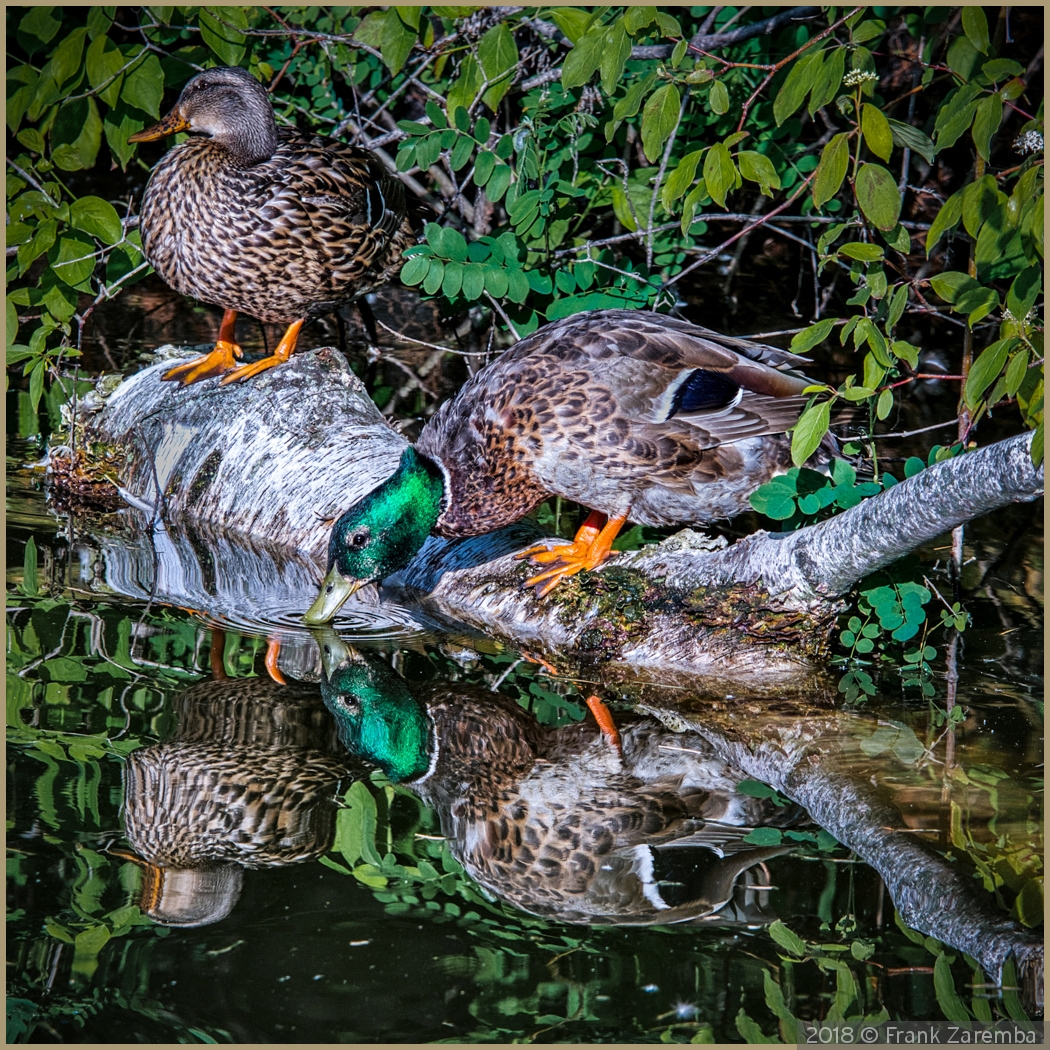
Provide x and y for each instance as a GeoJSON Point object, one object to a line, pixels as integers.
{"type": "Point", "coordinates": [381, 533]}
{"type": "Point", "coordinates": [378, 718]}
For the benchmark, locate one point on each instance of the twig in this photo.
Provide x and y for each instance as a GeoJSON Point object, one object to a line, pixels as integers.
{"type": "Point", "coordinates": [506, 320]}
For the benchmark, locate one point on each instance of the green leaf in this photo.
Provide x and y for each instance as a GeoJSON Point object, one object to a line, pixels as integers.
{"type": "Point", "coordinates": [828, 80]}
{"type": "Point", "coordinates": [862, 252]}
{"type": "Point", "coordinates": [719, 98]}
{"type": "Point", "coordinates": [757, 167]}
{"type": "Point", "coordinates": [787, 939]}
{"type": "Point", "coordinates": [629, 105]}
{"type": "Point", "coordinates": [467, 85]}
{"type": "Point", "coordinates": [473, 282]}
{"type": "Point", "coordinates": [38, 27]}
{"type": "Point", "coordinates": [415, 269]}
{"type": "Point", "coordinates": [878, 136]}
{"type": "Point", "coordinates": [435, 112]}
{"type": "Point", "coordinates": [659, 119]}
{"type": "Point", "coordinates": [878, 196]}
{"type": "Point", "coordinates": [73, 258]}
{"type": "Point", "coordinates": [799, 81]}
{"type": "Point", "coordinates": [986, 369]}
{"type": "Point", "coordinates": [462, 151]}
{"type": "Point", "coordinates": [517, 286]}
{"type": "Point", "coordinates": [980, 201]}
{"type": "Point", "coordinates": [498, 182]}
{"type": "Point", "coordinates": [636, 18]}
{"type": "Point", "coordinates": [947, 219]}
{"type": "Point", "coordinates": [719, 173]}
{"type": "Point", "coordinates": [92, 940]}
{"type": "Point", "coordinates": [452, 280]}
{"type": "Point", "coordinates": [76, 135]}
{"type": "Point", "coordinates": [498, 54]}
{"type": "Point", "coordinates": [1024, 291]}
{"type": "Point", "coordinates": [222, 30]}
{"type": "Point", "coordinates": [484, 166]}
{"type": "Point", "coordinates": [96, 217]}
{"type": "Point", "coordinates": [943, 985]}
{"type": "Point", "coordinates": [697, 196]}
{"type": "Point", "coordinates": [962, 57]}
{"type": "Point", "coordinates": [584, 58]}
{"type": "Point", "coordinates": [955, 115]}
{"type": "Point", "coordinates": [144, 83]}
{"type": "Point", "coordinates": [975, 26]}
{"type": "Point", "coordinates": [986, 121]}
{"type": "Point", "coordinates": [909, 136]}
{"type": "Point", "coordinates": [103, 61]}
{"type": "Point", "coordinates": [496, 283]}
{"type": "Point", "coordinates": [809, 431]}
{"type": "Point", "coordinates": [434, 277]}
{"type": "Point", "coordinates": [805, 340]}
{"type": "Point", "coordinates": [397, 35]}
{"type": "Point", "coordinates": [834, 159]}
{"type": "Point", "coordinates": [616, 51]}
{"type": "Point", "coordinates": [679, 181]}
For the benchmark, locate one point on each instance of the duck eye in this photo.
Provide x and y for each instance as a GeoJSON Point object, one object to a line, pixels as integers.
{"type": "Point", "coordinates": [359, 539]}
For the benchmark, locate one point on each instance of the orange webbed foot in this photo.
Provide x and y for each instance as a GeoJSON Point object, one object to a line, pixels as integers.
{"type": "Point", "coordinates": [285, 349]}
{"type": "Point", "coordinates": [591, 546]}
{"type": "Point", "coordinates": [216, 363]}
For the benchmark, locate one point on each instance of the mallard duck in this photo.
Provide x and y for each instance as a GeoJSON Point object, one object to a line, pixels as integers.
{"type": "Point", "coordinates": [557, 821]}
{"type": "Point", "coordinates": [634, 415]}
{"type": "Point", "coordinates": [247, 780]}
{"type": "Point", "coordinates": [265, 220]}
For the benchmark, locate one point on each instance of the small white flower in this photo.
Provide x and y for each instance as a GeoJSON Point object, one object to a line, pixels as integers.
{"type": "Point", "coordinates": [1029, 142]}
{"type": "Point", "coordinates": [858, 76]}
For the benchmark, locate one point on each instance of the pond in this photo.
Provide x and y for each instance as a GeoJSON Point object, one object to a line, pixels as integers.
{"type": "Point", "coordinates": [196, 854]}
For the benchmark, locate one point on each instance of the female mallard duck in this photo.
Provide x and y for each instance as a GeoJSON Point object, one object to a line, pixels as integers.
{"type": "Point", "coordinates": [556, 821]}
{"type": "Point", "coordinates": [265, 220]}
{"type": "Point", "coordinates": [631, 414]}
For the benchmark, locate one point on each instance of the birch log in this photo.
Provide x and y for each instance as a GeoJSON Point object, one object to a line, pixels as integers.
{"type": "Point", "coordinates": [271, 459]}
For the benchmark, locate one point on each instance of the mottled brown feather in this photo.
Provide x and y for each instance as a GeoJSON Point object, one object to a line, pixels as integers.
{"type": "Point", "coordinates": [581, 409]}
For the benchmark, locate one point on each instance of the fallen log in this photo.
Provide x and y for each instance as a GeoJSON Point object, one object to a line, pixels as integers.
{"type": "Point", "coordinates": [273, 460]}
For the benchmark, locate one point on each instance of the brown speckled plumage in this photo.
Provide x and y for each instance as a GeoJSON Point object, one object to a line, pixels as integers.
{"type": "Point", "coordinates": [273, 222]}
{"type": "Point", "coordinates": [591, 408]}
{"type": "Point", "coordinates": [561, 821]}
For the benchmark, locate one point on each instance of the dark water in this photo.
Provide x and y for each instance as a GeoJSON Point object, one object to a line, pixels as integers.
{"type": "Point", "coordinates": [194, 855]}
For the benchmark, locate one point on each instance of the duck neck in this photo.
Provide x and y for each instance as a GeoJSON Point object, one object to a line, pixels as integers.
{"type": "Point", "coordinates": [250, 135]}
{"type": "Point", "coordinates": [417, 491]}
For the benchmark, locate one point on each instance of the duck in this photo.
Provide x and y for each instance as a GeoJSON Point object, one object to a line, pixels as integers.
{"type": "Point", "coordinates": [264, 220]}
{"type": "Point", "coordinates": [557, 821]}
{"type": "Point", "coordinates": [633, 415]}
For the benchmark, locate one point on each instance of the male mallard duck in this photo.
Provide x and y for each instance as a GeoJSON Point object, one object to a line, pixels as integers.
{"type": "Point", "coordinates": [264, 220]}
{"type": "Point", "coordinates": [557, 821]}
{"type": "Point", "coordinates": [634, 415]}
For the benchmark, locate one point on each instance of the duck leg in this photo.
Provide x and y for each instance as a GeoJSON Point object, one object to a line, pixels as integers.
{"type": "Point", "coordinates": [285, 349]}
{"type": "Point", "coordinates": [591, 546]}
{"type": "Point", "coordinates": [603, 716]}
{"type": "Point", "coordinates": [216, 363]}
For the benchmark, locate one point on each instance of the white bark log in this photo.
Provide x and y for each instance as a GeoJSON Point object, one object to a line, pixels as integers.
{"type": "Point", "coordinates": [270, 459]}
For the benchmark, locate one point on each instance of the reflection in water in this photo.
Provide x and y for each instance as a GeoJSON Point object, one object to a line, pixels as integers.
{"type": "Point", "coordinates": [247, 781]}
{"type": "Point", "coordinates": [555, 821]}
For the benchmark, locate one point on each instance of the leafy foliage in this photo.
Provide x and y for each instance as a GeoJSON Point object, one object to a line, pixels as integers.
{"type": "Point", "coordinates": [577, 157]}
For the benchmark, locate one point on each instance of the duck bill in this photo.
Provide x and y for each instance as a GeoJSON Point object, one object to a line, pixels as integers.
{"type": "Point", "coordinates": [334, 592]}
{"type": "Point", "coordinates": [335, 653]}
{"type": "Point", "coordinates": [172, 123]}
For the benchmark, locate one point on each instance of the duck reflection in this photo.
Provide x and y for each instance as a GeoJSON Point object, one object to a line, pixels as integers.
{"type": "Point", "coordinates": [248, 780]}
{"type": "Point", "coordinates": [559, 822]}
